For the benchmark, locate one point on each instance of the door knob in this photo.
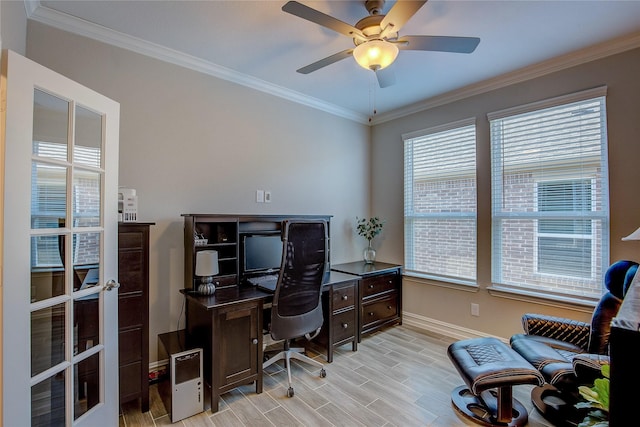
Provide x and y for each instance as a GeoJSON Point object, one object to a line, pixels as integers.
{"type": "Point", "coordinates": [111, 284]}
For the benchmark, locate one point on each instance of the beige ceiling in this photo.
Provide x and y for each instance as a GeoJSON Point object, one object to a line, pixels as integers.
{"type": "Point", "coordinates": [256, 44]}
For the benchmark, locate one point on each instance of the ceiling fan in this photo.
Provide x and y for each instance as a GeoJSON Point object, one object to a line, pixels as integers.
{"type": "Point", "coordinates": [376, 37]}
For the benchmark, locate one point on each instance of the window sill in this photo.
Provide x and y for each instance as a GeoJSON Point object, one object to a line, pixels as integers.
{"type": "Point", "coordinates": [553, 300]}
{"type": "Point", "coordinates": [461, 285]}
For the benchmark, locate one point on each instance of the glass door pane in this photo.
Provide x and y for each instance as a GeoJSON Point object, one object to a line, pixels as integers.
{"type": "Point", "coordinates": [88, 147]}
{"type": "Point", "coordinates": [47, 338]}
{"type": "Point", "coordinates": [47, 402]}
{"type": "Point", "coordinates": [50, 126]}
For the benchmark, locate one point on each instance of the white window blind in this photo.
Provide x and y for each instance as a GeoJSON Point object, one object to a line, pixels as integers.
{"type": "Point", "coordinates": [440, 202]}
{"type": "Point", "coordinates": [550, 200]}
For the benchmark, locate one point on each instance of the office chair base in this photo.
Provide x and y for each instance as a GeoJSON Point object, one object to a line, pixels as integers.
{"type": "Point", "coordinates": [294, 353]}
{"type": "Point", "coordinates": [557, 407]}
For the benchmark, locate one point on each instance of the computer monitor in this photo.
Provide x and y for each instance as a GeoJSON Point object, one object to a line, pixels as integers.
{"type": "Point", "coordinates": [262, 253]}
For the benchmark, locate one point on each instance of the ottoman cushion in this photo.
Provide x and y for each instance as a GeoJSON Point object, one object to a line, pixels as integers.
{"type": "Point", "coordinates": [485, 363]}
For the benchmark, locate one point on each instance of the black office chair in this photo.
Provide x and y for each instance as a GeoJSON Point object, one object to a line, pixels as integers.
{"type": "Point", "coordinates": [297, 308]}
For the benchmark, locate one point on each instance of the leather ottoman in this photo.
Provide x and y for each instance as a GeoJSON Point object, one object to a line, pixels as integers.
{"type": "Point", "coordinates": [490, 368]}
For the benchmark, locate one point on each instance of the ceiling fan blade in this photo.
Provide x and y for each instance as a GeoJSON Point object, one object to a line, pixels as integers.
{"type": "Point", "coordinates": [326, 61]}
{"type": "Point", "coordinates": [317, 17]}
{"type": "Point", "coordinates": [386, 77]}
{"type": "Point", "coordinates": [438, 43]}
{"type": "Point", "coordinates": [400, 13]}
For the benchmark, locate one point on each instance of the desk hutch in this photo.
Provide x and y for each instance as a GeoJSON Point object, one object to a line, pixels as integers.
{"type": "Point", "coordinates": [228, 325]}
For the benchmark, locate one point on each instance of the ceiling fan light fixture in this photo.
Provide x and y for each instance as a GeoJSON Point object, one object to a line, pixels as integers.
{"type": "Point", "coordinates": [375, 54]}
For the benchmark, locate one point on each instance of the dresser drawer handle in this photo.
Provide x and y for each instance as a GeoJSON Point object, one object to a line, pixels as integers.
{"type": "Point", "coordinates": [371, 286]}
{"type": "Point", "coordinates": [254, 341]}
{"type": "Point", "coordinates": [371, 313]}
{"type": "Point", "coordinates": [345, 325]}
{"type": "Point", "coordinates": [389, 307]}
{"type": "Point", "coordinates": [345, 297]}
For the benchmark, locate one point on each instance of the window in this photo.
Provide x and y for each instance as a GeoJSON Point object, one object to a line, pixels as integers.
{"type": "Point", "coordinates": [550, 215]}
{"type": "Point", "coordinates": [440, 202]}
{"type": "Point", "coordinates": [565, 241]}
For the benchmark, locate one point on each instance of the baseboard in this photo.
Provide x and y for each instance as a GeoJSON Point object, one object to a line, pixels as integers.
{"type": "Point", "coordinates": [443, 328]}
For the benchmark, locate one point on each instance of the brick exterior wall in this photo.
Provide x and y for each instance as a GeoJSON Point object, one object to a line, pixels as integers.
{"type": "Point", "coordinates": [447, 246]}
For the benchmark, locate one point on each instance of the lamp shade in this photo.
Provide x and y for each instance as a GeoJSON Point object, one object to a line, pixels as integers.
{"type": "Point", "coordinates": [207, 263]}
{"type": "Point", "coordinates": [375, 54]}
{"type": "Point", "coordinates": [633, 236]}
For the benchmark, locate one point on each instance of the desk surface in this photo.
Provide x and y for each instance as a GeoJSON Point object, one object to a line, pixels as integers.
{"type": "Point", "coordinates": [236, 294]}
{"type": "Point", "coordinates": [361, 268]}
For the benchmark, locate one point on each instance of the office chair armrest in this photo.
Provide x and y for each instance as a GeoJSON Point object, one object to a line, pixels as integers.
{"type": "Point", "coordinates": [572, 331]}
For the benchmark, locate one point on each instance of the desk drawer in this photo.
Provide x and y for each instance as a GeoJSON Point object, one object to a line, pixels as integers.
{"type": "Point", "coordinates": [379, 311]}
{"type": "Point", "coordinates": [378, 284]}
{"type": "Point", "coordinates": [344, 325]}
{"type": "Point", "coordinates": [344, 296]}
{"type": "Point", "coordinates": [130, 310]}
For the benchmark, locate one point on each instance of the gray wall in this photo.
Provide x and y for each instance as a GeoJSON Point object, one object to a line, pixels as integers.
{"type": "Point", "coordinates": [192, 143]}
{"type": "Point", "coordinates": [13, 26]}
{"type": "Point", "coordinates": [500, 316]}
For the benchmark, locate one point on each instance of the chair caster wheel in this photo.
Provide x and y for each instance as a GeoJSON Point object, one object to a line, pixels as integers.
{"type": "Point", "coordinates": [290, 392]}
{"type": "Point", "coordinates": [323, 373]}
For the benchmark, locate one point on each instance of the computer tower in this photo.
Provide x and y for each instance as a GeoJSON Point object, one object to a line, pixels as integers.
{"type": "Point", "coordinates": [182, 389]}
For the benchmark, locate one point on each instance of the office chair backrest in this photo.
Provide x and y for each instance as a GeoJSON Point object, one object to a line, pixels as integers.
{"type": "Point", "coordinates": [296, 307]}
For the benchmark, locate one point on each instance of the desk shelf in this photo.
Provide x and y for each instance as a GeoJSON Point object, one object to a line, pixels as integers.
{"type": "Point", "coordinates": [221, 234]}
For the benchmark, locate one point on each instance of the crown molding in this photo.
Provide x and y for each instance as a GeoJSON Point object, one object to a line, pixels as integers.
{"type": "Point", "coordinates": [540, 69]}
{"type": "Point", "coordinates": [65, 22]}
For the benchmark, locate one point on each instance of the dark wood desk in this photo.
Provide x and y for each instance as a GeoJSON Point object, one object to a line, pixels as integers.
{"type": "Point", "coordinates": [228, 325]}
{"type": "Point", "coordinates": [340, 310]}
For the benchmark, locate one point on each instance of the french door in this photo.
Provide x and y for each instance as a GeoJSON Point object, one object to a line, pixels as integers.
{"type": "Point", "coordinates": [59, 256]}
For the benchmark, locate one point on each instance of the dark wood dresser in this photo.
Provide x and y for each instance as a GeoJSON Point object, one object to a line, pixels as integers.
{"type": "Point", "coordinates": [380, 299]}
{"type": "Point", "coordinates": [133, 312]}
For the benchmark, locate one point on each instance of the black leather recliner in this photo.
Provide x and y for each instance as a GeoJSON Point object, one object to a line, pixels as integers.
{"type": "Point", "coordinates": [570, 353]}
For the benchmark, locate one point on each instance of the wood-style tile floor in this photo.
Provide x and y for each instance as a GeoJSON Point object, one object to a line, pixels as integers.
{"type": "Point", "coordinates": [398, 377]}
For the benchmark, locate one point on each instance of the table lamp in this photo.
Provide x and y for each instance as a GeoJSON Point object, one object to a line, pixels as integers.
{"type": "Point", "coordinates": [206, 268]}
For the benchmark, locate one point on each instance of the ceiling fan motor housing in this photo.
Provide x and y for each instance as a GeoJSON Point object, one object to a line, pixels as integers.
{"type": "Point", "coordinates": [370, 27]}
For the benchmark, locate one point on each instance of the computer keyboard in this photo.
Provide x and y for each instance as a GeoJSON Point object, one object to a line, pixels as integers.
{"type": "Point", "coordinates": [267, 283]}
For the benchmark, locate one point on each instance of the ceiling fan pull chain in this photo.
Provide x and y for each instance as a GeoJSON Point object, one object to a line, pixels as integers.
{"type": "Point", "coordinates": [372, 96]}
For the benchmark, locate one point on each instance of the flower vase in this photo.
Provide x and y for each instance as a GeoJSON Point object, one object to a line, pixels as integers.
{"type": "Point", "coordinates": [369, 254]}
